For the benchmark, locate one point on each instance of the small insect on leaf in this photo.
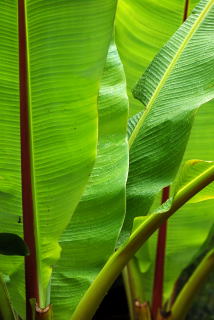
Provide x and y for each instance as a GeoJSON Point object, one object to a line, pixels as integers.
{"type": "Point", "coordinates": [11, 244]}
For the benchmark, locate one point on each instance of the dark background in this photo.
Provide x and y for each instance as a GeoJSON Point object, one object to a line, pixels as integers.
{"type": "Point", "coordinates": [114, 305]}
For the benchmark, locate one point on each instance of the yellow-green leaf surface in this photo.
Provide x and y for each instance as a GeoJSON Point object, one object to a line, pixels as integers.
{"type": "Point", "coordinates": [138, 43]}
{"type": "Point", "coordinates": [10, 188]}
{"type": "Point", "coordinates": [92, 233]}
{"type": "Point", "coordinates": [67, 43]}
{"type": "Point", "coordinates": [187, 229]}
{"type": "Point", "coordinates": [188, 170]}
{"type": "Point", "coordinates": [142, 28]}
{"type": "Point", "coordinates": [176, 83]}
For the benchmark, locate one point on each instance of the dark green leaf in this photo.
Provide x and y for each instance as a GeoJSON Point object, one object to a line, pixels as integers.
{"type": "Point", "coordinates": [11, 244]}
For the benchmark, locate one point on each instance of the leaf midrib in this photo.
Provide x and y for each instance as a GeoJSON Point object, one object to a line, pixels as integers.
{"type": "Point", "coordinates": [167, 73]}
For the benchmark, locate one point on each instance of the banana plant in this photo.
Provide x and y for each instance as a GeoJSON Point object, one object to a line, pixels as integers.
{"type": "Point", "coordinates": [64, 148]}
{"type": "Point", "coordinates": [171, 15]}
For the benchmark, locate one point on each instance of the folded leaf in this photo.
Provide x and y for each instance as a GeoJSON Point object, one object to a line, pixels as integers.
{"type": "Point", "coordinates": [67, 44]}
{"type": "Point", "coordinates": [190, 170]}
{"type": "Point", "coordinates": [187, 230]}
{"type": "Point", "coordinates": [90, 238]}
{"type": "Point", "coordinates": [196, 216]}
{"type": "Point", "coordinates": [11, 244]}
{"type": "Point", "coordinates": [172, 92]}
{"type": "Point", "coordinates": [142, 28]}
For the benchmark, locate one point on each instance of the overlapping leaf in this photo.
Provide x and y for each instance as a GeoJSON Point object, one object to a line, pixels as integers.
{"type": "Point", "coordinates": [92, 233]}
{"type": "Point", "coordinates": [173, 87]}
{"type": "Point", "coordinates": [67, 47]}
{"type": "Point", "coordinates": [187, 230]}
{"type": "Point", "coordinates": [11, 244]}
{"type": "Point", "coordinates": [142, 28]}
{"type": "Point", "coordinates": [197, 215]}
{"type": "Point", "coordinates": [10, 185]}
{"type": "Point", "coordinates": [200, 146]}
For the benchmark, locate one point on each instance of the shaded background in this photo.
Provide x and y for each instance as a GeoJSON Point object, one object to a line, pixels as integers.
{"type": "Point", "coordinates": [114, 305]}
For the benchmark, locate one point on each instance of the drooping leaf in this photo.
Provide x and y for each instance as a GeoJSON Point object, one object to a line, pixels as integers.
{"type": "Point", "coordinates": [67, 43]}
{"type": "Point", "coordinates": [11, 245]}
{"type": "Point", "coordinates": [189, 170]}
{"type": "Point", "coordinates": [137, 47]}
{"type": "Point", "coordinates": [172, 92]}
{"type": "Point", "coordinates": [118, 260]}
{"type": "Point", "coordinates": [197, 215]}
{"type": "Point", "coordinates": [142, 28]}
{"type": "Point", "coordinates": [92, 233]}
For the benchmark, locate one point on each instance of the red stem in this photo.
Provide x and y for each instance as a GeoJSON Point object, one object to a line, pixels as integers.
{"type": "Point", "coordinates": [31, 279]}
{"type": "Point", "coordinates": [159, 263]}
{"type": "Point", "coordinates": [186, 8]}
{"type": "Point", "coordinates": [157, 294]}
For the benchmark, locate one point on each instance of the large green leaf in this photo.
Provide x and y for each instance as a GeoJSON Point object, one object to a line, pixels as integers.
{"type": "Point", "coordinates": [10, 186]}
{"type": "Point", "coordinates": [187, 229]}
{"type": "Point", "coordinates": [137, 43]}
{"type": "Point", "coordinates": [67, 46]}
{"type": "Point", "coordinates": [92, 233]}
{"type": "Point", "coordinates": [142, 28]}
{"type": "Point", "coordinates": [173, 87]}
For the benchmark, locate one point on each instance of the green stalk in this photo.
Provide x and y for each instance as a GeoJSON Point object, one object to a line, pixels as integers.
{"type": "Point", "coordinates": [6, 309]}
{"type": "Point", "coordinates": [134, 290]}
{"type": "Point", "coordinates": [113, 267]}
{"type": "Point", "coordinates": [128, 289]}
{"type": "Point", "coordinates": [191, 288]}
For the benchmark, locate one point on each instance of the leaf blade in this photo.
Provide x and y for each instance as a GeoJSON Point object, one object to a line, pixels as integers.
{"type": "Point", "coordinates": [157, 152]}
{"type": "Point", "coordinates": [98, 218]}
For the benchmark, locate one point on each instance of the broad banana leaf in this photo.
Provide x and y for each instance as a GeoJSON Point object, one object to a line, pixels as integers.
{"type": "Point", "coordinates": [142, 28]}
{"type": "Point", "coordinates": [67, 44]}
{"type": "Point", "coordinates": [200, 146]}
{"type": "Point", "coordinates": [188, 228]}
{"type": "Point", "coordinates": [91, 235]}
{"type": "Point", "coordinates": [172, 92]}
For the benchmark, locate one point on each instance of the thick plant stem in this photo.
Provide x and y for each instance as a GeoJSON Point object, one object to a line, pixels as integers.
{"type": "Point", "coordinates": [157, 293]}
{"type": "Point", "coordinates": [113, 267]}
{"type": "Point", "coordinates": [31, 274]}
{"type": "Point", "coordinates": [6, 309]}
{"type": "Point", "coordinates": [191, 288]}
